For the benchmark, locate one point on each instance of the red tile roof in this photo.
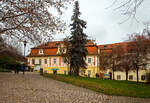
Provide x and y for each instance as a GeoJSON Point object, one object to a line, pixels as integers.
{"type": "Point", "coordinates": [109, 47]}
{"type": "Point", "coordinates": [52, 51]}
{"type": "Point", "coordinates": [50, 44]}
{"type": "Point", "coordinates": [51, 48]}
{"type": "Point", "coordinates": [92, 49]}
{"type": "Point", "coordinates": [56, 43]}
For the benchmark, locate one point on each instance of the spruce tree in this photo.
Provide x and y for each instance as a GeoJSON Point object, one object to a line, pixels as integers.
{"type": "Point", "coordinates": [78, 40]}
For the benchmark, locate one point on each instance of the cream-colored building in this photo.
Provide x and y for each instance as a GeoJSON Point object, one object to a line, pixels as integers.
{"type": "Point", "coordinates": [143, 73]}
{"type": "Point", "coordinates": [132, 76]}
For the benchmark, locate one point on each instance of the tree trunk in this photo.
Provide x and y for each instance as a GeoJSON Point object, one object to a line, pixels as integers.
{"type": "Point", "coordinates": [77, 71]}
{"type": "Point", "coordinates": [127, 75]}
{"type": "Point", "coordinates": [110, 75]}
{"type": "Point", "coordinates": [113, 71]}
{"type": "Point", "coordinates": [113, 74]}
{"type": "Point", "coordinates": [72, 72]}
{"type": "Point", "coordinates": [137, 73]}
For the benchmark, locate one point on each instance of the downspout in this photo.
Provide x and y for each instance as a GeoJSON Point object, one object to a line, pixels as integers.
{"type": "Point", "coordinates": [98, 59]}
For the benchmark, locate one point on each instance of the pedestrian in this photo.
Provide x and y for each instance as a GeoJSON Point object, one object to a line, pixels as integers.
{"type": "Point", "coordinates": [17, 68]}
{"type": "Point", "coordinates": [23, 68]}
{"type": "Point", "coordinates": [29, 69]}
{"type": "Point", "coordinates": [97, 75]}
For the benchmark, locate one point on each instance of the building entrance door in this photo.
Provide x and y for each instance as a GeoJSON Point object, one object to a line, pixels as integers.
{"type": "Point", "coordinates": [89, 73]}
{"type": "Point", "coordinates": [54, 71]}
{"type": "Point", "coordinates": [110, 75]}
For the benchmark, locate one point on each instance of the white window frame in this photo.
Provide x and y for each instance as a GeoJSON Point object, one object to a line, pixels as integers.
{"type": "Point", "coordinates": [41, 51]}
{"type": "Point", "coordinates": [33, 61]}
{"type": "Point", "coordinates": [40, 61]}
{"type": "Point", "coordinates": [130, 77]}
{"type": "Point", "coordinates": [45, 61]}
{"type": "Point", "coordinates": [118, 77]}
{"type": "Point", "coordinates": [54, 61]}
{"type": "Point", "coordinates": [89, 59]}
{"type": "Point", "coordinates": [143, 77]}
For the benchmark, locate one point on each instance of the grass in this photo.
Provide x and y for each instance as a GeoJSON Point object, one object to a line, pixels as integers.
{"type": "Point", "coordinates": [4, 70]}
{"type": "Point", "coordinates": [109, 87]}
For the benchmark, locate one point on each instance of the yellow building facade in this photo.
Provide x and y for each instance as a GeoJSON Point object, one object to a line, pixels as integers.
{"type": "Point", "coordinates": [49, 59]}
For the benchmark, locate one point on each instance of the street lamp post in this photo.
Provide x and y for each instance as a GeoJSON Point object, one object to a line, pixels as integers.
{"type": "Point", "coordinates": [25, 43]}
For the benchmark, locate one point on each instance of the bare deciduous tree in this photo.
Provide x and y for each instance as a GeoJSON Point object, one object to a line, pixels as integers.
{"type": "Point", "coordinates": [110, 59]}
{"type": "Point", "coordinates": [2, 45]}
{"type": "Point", "coordinates": [31, 19]}
{"type": "Point", "coordinates": [66, 48]}
{"type": "Point", "coordinates": [12, 50]}
{"type": "Point", "coordinates": [133, 56]}
{"type": "Point", "coordinates": [128, 7]}
{"type": "Point", "coordinates": [138, 49]}
{"type": "Point", "coordinates": [125, 59]}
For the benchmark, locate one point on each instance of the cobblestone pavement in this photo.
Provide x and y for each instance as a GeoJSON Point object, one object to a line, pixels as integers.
{"type": "Point", "coordinates": [33, 88]}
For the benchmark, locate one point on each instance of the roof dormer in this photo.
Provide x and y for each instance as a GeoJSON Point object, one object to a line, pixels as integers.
{"type": "Point", "coordinates": [61, 49]}
{"type": "Point", "coordinates": [41, 51]}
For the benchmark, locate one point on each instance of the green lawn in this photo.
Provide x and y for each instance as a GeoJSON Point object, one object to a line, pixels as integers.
{"type": "Point", "coordinates": [109, 87]}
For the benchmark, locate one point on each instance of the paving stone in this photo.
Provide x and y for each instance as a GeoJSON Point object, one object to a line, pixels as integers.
{"type": "Point", "coordinates": [33, 88]}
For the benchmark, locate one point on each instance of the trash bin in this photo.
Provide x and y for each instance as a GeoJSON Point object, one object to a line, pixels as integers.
{"type": "Point", "coordinates": [41, 71]}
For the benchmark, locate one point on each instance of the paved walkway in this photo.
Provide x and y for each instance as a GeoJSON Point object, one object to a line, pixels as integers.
{"type": "Point", "coordinates": [33, 88]}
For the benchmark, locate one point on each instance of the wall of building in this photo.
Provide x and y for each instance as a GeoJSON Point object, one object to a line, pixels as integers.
{"type": "Point", "coordinates": [120, 75]}
{"type": "Point", "coordinates": [50, 61]}
{"type": "Point", "coordinates": [92, 65]}
{"type": "Point", "coordinates": [90, 72]}
{"type": "Point", "coordinates": [61, 70]}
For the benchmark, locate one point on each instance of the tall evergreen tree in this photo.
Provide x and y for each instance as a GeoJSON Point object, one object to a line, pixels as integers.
{"type": "Point", "coordinates": [78, 40]}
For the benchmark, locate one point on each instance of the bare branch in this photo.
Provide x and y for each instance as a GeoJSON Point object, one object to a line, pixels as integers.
{"type": "Point", "coordinates": [128, 8]}
{"type": "Point", "coordinates": [17, 16]}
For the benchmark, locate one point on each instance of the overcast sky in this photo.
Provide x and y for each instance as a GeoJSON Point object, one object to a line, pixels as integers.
{"type": "Point", "coordinates": [103, 24]}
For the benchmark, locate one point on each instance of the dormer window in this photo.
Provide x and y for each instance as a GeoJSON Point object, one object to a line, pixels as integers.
{"type": "Point", "coordinates": [41, 51]}
{"type": "Point", "coordinates": [61, 51]}
{"type": "Point", "coordinates": [105, 46]}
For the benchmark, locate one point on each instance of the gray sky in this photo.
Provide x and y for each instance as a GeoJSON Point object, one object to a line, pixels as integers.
{"type": "Point", "coordinates": [103, 24]}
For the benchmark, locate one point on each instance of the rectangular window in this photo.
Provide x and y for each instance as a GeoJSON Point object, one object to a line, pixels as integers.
{"type": "Point", "coordinates": [118, 77]}
{"type": "Point", "coordinates": [54, 61]}
{"type": "Point", "coordinates": [45, 61]}
{"type": "Point", "coordinates": [65, 72]}
{"type": "Point", "coordinates": [82, 72]}
{"type": "Point", "coordinates": [89, 60]}
{"type": "Point", "coordinates": [33, 61]}
{"type": "Point", "coordinates": [143, 77]}
{"type": "Point", "coordinates": [105, 46]}
{"type": "Point", "coordinates": [89, 73]}
{"type": "Point", "coordinates": [130, 77]}
{"type": "Point", "coordinates": [40, 61]}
